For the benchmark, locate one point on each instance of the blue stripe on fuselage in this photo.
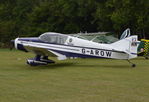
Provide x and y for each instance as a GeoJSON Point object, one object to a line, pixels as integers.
{"type": "Point", "coordinates": [134, 53]}
{"type": "Point", "coordinates": [70, 54]}
{"type": "Point", "coordinates": [32, 39]}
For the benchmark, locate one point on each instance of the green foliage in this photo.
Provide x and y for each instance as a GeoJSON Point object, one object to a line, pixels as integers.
{"type": "Point", "coordinates": [33, 17]}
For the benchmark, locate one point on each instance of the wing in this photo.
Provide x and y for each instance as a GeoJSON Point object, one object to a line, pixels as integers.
{"type": "Point", "coordinates": [45, 52]}
{"type": "Point", "coordinates": [39, 51]}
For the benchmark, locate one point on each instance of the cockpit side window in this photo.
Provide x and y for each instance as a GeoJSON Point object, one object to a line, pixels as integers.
{"type": "Point", "coordinates": [53, 38]}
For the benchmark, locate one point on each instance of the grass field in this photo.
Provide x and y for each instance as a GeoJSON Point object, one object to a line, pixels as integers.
{"type": "Point", "coordinates": [78, 80]}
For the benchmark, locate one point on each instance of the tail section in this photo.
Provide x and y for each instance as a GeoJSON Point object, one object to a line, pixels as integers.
{"type": "Point", "coordinates": [128, 45]}
{"type": "Point", "coordinates": [125, 34]}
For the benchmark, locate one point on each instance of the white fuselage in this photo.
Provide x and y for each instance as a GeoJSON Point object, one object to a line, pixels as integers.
{"type": "Point", "coordinates": [74, 47]}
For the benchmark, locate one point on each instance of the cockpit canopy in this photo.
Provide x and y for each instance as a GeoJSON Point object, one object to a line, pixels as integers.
{"type": "Point", "coordinates": [52, 37]}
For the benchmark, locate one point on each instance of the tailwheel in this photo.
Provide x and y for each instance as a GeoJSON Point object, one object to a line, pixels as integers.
{"type": "Point", "coordinates": [132, 64]}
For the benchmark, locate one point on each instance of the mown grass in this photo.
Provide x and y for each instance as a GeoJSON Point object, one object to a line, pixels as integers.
{"type": "Point", "coordinates": [77, 80]}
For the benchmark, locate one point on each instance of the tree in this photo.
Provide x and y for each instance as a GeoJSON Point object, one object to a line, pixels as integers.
{"type": "Point", "coordinates": [33, 17]}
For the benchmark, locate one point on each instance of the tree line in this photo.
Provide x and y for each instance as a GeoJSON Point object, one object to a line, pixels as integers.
{"type": "Point", "coordinates": [24, 18]}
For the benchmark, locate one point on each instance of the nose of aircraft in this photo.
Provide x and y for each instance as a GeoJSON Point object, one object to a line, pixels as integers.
{"type": "Point", "coordinates": [18, 45]}
{"type": "Point", "coordinates": [13, 44]}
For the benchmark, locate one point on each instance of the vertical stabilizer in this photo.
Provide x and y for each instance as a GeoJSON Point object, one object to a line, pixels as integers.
{"type": "Point", "coordinates": [128, 45]}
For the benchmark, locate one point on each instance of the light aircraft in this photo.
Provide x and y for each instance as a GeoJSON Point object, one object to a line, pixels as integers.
{"type": "Point", "coordinates": [65, 46]}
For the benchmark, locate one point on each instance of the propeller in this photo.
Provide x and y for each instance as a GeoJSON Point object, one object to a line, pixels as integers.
{"type": "Point", "coordinates": [12, 44]}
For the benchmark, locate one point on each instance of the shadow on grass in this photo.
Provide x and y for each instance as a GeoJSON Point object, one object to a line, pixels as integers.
{"type": "Point", "coordinates": [117, 66]}
{"type": "Point", "coordinates": [104, 66]}
{"type": "Point", "coordinates": [51, 66]}
{"type": "Point", "coordinates": [75, 65]}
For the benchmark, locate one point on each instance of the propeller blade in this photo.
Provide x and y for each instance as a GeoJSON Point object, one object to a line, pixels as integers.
{"type": "Point", "coordinates": [12, 44]}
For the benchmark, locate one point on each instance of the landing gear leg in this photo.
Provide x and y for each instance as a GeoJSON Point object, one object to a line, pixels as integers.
{"type": "Point", "coordinates": [45, 59]}
{"type": "Point", "coordinates": [132, 64]}
{"type": "Point", "coordinates": [37, 57]}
